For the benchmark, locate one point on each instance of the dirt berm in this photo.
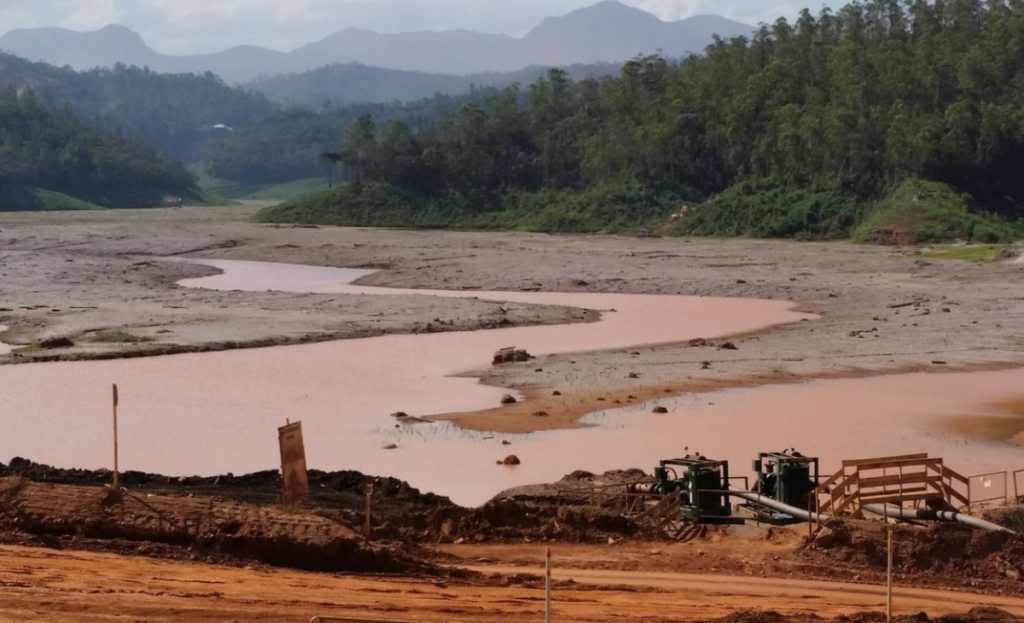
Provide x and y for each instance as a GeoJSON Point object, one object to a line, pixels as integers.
{"type": "Point", "coordinates": [400, 511]}
{"type": "Point", "coordinates": [954, 553]}
{"type": "Point", "coordinates": [198, 528]}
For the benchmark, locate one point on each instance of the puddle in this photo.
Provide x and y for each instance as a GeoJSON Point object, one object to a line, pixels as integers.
{"type": "Point", "coordinates": [217, 412]}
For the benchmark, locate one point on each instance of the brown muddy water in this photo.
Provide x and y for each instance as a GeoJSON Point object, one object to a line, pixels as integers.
{"type": "Point", "coordinates": [217, 412]}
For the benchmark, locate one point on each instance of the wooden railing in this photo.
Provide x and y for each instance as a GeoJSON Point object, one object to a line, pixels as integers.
{"type": "Point", "coordinates": [912, 478]}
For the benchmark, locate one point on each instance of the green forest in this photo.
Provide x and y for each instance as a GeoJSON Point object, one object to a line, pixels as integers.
{"type": "Point", "coordinates": [179, 114]}
{"type": "Point", "coordinates": [886, 121]}
{"type": "Point", "coordinates": [285, 146]}
{"type": "Point", "coordinates": [51, 159]}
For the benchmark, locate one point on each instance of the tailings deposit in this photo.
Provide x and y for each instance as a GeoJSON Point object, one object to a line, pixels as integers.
{"type": "Point", "coordinates": [217, 412]}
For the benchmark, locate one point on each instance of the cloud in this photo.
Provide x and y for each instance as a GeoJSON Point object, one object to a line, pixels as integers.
{"type": "Point", "coordinates": [89, 16]}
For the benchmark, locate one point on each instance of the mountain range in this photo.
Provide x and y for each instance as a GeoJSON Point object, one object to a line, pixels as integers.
{"type": "Point", "coordinates": [607, 32]}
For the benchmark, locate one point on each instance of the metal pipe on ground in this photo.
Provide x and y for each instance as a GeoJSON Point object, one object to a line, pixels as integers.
{"type": "Point", "coordinates": [792, 511]}
{"type": "Point", "coordinates": [910, 514]}
{"type": "Point", "coordinates": [766, 502]}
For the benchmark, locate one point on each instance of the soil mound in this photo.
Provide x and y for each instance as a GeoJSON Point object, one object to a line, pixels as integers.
{"type": "Point", "coordinates": [336, 490]}
{"type": "Point", "coordinates": [942, 550]}
{"type": "Point", "coordinates": [60, 515]}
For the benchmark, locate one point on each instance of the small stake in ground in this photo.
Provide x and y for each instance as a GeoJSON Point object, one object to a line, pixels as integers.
{"type": "Point", "coordinates": [888, 607]}
{"type": "Point", "coordinates": [547, 585]}
{"type": "Point", "coordinates": [117, 472]}
{"type": "Point", "coordinates": [369, 498]}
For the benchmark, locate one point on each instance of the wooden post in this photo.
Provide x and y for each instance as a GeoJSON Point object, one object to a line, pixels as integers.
{"type": "Point", "coordinates": [369, 496]}
{"type": "Point", "coordinates": [888, 606]}
{"type": "Point", "coordinates": [547, 585]}
{"type": "Point", "coordinates": [810, 518]}
{"type": "Point", "coordinates": [117, 471]}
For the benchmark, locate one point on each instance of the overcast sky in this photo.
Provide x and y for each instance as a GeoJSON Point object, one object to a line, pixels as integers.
{"type": "Point", "coordinates": [192, 26]}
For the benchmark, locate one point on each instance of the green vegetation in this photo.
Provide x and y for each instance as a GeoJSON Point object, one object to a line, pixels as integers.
{"type": "Point", "coordinates": [896, 122]}
{"type": "Point", "coordinates": [964, 252]}
{"type": "Point", "coordinates": [767, 211]}
{"type": "Point", "coordinates": [920, 212]}
{"type": "Point", "coordinates": [23, 198]}
{"type": "Point", "coordinates": [346, 84]}
{"type": "Point", "coordinates": [286, 146]}
{"type": "Point", "coordinates": [47, 157]}
{"type": "Point", "coordinates": [176, 113]}
{"type": "Point", "coordinates": [611, 208]}
{"type": "Point", "coordinates": [289, 191]}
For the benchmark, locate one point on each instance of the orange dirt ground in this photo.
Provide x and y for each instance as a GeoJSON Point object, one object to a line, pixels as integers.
{"type": "Point", "coordinates": [42, 584]}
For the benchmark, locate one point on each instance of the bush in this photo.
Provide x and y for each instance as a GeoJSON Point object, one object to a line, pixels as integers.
{"type": "Point", "coordinates": [920, 211]}
{"type": "Point", "coordinates": [764, 210]}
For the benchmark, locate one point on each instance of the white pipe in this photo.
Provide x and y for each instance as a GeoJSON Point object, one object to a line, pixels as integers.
{"type": "Point", "coordinates": [908, 514]}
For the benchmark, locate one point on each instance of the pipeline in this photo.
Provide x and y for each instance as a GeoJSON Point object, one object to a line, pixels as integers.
{"type": "Point", "coordinates": [907, 514]}
{"type": "Point", "coordinates": [772, 504]}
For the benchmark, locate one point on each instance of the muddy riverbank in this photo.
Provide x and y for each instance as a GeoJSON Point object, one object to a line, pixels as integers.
{"type": "Point", "coordinates": [96, 280]}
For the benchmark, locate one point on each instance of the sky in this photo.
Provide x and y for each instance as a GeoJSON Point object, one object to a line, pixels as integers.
{"type": "Point", "coordinates": [199, 26]}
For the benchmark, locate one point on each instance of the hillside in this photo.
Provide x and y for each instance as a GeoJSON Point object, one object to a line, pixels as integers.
{"type": "Point", "coordinates": [352, 83]}
{"type": "Point", "coordinates": [178, 114]}
{"type": "Point", "coordinates": [606, 32]}
{"type": "Point", "coordinates": [888, 128]}
{"type": "Point", "coordinates": [51, 160]}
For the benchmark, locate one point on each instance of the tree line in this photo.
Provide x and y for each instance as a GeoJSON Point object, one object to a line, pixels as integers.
{"type": "Point", "coordinates": [52, 149]}
{"type": "Point", "coordinates": [831, 111]}
{"type": "Point", "coordinates": [179, 114]}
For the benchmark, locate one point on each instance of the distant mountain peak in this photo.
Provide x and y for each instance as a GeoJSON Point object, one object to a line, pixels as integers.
{"type": "Point", "coordinates": [609, 31]}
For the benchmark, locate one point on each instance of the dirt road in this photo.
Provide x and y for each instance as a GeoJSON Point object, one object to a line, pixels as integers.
{"type": "Point", "coordinates": [40, 584]}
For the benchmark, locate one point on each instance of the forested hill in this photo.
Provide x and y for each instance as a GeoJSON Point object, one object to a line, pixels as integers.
{"type": "Point", "coordinates": [354, 83]}
{"type": "Point", "coordinates": [894, 121]}
{"type": "Point", "coordinates": [51, 159]}
{"type": "Point", "coordinates": [287, 145]}
{"type": "Point", "coordinates": [177, 113]}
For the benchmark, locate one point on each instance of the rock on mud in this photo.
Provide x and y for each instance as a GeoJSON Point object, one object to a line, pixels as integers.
{"type": "Point", "coordinates": [57, 342]}
{"type": "Point", "coordinates": [511, 355]}
{"type": "Point", "coordinates": [508, 399]}
{"type": "Point", "coordinates": [511, 460]}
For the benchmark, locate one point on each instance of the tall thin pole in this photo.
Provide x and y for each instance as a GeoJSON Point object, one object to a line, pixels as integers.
{"type": "Point", "coordinates": [117, 471]}
{"type": "Point", "coordinates": [547, 585]}
{"type": "Point", "coordinates": [369, 496]}
{"type": "Point", "coordinates": [888, 607]}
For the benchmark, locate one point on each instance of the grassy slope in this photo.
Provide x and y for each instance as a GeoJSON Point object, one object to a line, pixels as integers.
{"type": "Point", "coordinates": [919, 211]}
{"type": "Point", "coordinates": [236, 190]}
{"type": "Point", "coordinates": [289, 191]}
{"type": "Point", "coordinates": [24, 198]}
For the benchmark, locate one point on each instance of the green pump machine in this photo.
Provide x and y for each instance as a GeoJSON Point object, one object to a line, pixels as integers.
{"type": "Point", "coordinates": [787, 477]}
{"type": "Point", "coordinates": [699, 482]}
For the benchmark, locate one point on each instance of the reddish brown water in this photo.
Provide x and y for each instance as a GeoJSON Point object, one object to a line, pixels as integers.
{"type": "Point", "coordinates": [217, 412]}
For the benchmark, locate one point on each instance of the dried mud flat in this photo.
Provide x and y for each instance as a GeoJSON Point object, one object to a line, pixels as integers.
{"type": "Point", "coordinates": [95, 278]}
